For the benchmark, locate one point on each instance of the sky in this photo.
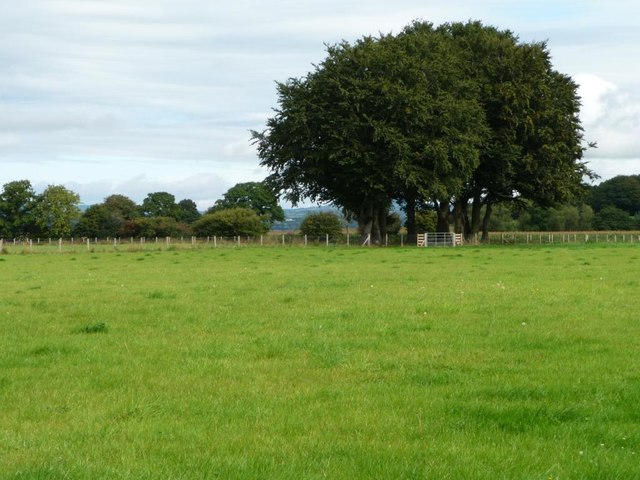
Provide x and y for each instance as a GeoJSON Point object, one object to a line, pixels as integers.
{"type": "Point", "coordinates": [140, 96]}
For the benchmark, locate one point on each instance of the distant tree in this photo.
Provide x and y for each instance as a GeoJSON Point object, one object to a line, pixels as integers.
{"type": "Point", "coordinates": [187, 211]}
{"type": "Point", "coordinates": [98, 221]}
{"type": "Point", "coordinates": [230, 222]}
{"type": "Point", "coordinates": [564, 218]}
{"type": "Point", "coordinates": [105, 219]}
{"type": "Point", "coordinates": [321, 224]}
{"type": "Point", "coordinates": [17, 201]}
{"type": "Point", "coordinates": [122, 207]}
{"type": "Point", "coordinates": [612, 218]}
{"type": "Point", "coordinates": [56, 211]}
{"type": "Point", "coordinates": [622, 192]}
{"type": "Point", "coordinates": [502, 219]}
{"type": "Point", "coordinates": [149, 227]}
{"type": "Point", "coordinates": [255, 196]}
{"type": "Point", "coordinates": [160, 204]}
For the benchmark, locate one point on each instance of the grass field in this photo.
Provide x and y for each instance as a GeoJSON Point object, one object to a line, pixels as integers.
{"type": "Point", "coordinates": [294, 363]}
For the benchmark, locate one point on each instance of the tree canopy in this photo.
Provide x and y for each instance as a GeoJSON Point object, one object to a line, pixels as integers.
{"type": "Point", "coordinates": [458, 116]}
{"type": "Point", "coordinates": [255, 196]}
{"type": "Point", "coordinates": [621, 192]}
{"type": "Point", "coordinates": [56, 211]}
{"type": "Point", "coordinates": [17, 201]}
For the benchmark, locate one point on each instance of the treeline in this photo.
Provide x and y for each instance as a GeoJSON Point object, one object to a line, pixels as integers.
{"type": "Point", "coordinates": [611, 205]}
{"type": "Point", "coordinates": [245, 209]}
{"type": "Point", "coordinates": [250, 209]}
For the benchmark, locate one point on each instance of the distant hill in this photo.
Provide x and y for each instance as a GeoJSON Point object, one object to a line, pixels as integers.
{"type": "Point", "coordinates": [295, 216]}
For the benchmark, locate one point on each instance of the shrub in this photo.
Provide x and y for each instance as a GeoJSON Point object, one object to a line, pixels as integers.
{"type": "Point", "coordinates": [394, 223]}
{"type": "Point", "coordinates": [229, 223]}
{"type": "Point", "coordinates": [426, 221]}
{"type": "Point", "coordinates": [153, 227]}
{"type": "Point", "coordinates": [321, 224]}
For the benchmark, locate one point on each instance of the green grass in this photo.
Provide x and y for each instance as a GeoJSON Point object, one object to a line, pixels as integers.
{"type": "Point", "coordinates": [293, 363]}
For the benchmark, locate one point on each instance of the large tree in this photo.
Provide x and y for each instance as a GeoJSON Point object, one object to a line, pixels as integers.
{"type": "Point", "coordinates": [458, 117]}
{"type": "Point", "coordinates": [385, 118]}
{"type": "Point", "coordinates": [17, 201]}
{"type": "Point", "coordinates": [535, 143]}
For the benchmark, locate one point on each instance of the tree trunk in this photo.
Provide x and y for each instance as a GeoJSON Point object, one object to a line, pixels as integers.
{"type": "Point", "coordinates": [372, 222]}
{"type": "Point", "coordinates": [411, 217]}
{"type": "Point", "coordinates": [476, 218]}
{"type": "Point", "coordinates": [485, 223]}
{"type": "Point", "coordinates": [365, 223]}
{"type": "Point", "coordinates": [442, 209]}
{"type": "Point", "coordinates": [382, 224]}
{"type": "Point", "coordinates": [461, 216]}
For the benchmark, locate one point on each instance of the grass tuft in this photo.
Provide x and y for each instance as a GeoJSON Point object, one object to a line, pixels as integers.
{"type": "Point", "coordinates": [100, 327]}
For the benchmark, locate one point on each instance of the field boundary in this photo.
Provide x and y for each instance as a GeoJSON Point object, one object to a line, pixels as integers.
{"type": "Point", "coordinates": [73, 245]}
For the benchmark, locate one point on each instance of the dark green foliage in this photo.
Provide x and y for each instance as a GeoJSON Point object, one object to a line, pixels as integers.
{"type": "Point", "coordinates": [394, 223]}
{"type": "Point", "coordinates": [534, 148]}
{"type": "Point", "coordinates": [98, 221]}
{"type": "Point", "coordinates": [375, 119]}
{"type": "Point", "coordinates": [153, 227]}
{"type": "Point", "coordinates": [321, 224]}
{"type": "Point", "coordinates": [56, 210]}
{"type": "Point", "coordinates": [458, 117]}
{"type": "Point", "coordinates": [107, 219]}
{"type": "Point", "coordinates": [17, 201]}
{"type": "Point", "coordinates": [426, 221]}
{"type": "Point", "coordinates": [230, 222]}
{"type": "Point", "coordinates": [612, 218]}
{"type": "Point", "coordinates": [122, 207]}
{"type": "Point", "coordinates": [187, 211]}
{"type": "Point", "coordinates": [622, 192]}
{"type": "Point", "coordinates": [159, 204]}
{"type": "Point", "coordinates": [255, 196]}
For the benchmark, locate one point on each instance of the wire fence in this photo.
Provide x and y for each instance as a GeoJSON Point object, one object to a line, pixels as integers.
{"type": "Point", "coordinates": [290, 239]}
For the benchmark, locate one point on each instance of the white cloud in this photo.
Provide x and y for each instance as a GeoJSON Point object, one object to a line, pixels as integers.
{"type": "Point", "coordinates": [594, 92]}
{"type": "Point", "coordinates": [160, 95]}
{"type": "Point", "coordinates": [611, 117]}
